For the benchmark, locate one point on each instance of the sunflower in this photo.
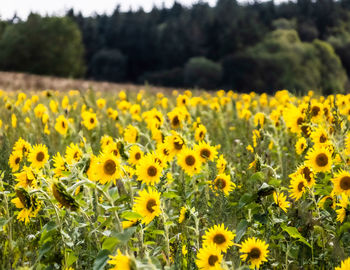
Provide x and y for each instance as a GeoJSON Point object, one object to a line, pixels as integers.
{"type": "Point", "coordinates": [164, 153]}
{"type": "Point", "coordinates": [209, 258]}
{"type": "Point", "coordinates": [343, 203]}
{"type": "Point", "coordinates": [307, 173]}
{"type": "Point", "coordinates": [205, 151]}
{"type": "Point", "coordinates": [105, 141]}
{"type": "Point", "coordinates": [131, 134]}
{"type": "Point", "coordinates": [63, 197]}
{"type": "Point", "coordinates": [30, 205]}
{"type": "Point", "coordinates": [341, 182]}
{"type": "Point", "coordinates": [61, 125]}
{"type": "Point", "coordinates": [147, 204]}
{"type": "Point", "coordinates": [73, 154]}
{"type": "Point", "coordinates": [184, 214]}
{"type": "Point", "coordinates": [22, 146]}
{"type": "Point", "coordinates": [38, 156]}
{"type": "Point", "coordinates": [218, 236]}
{"type": "Point", "coordinates": [120, 261]}
{"type": "Point", "coordinates": [200, 132]}
{"type": "Point", "coordinates": [112, 148]}
{"type": "Point", "coordinates": [59, 164]}
{"type": "Point", "coordinates": [221, 164]}
{"type": "Point", "coordinates": [26, 178]}
{"type": "Point", "coordinates": [148, 170]}
{"type": "Point", "coordinates": [15, 160]}
{"type": "Point", "coordinates": [89, 120]}
{"type": "Point", "coordinates": [108, 168]}
{"type": "Point", "coordinates": [223, 183]}
{"type": "Point", "coordinates": [297, 185]}
{"type": "Point", "coordinates": [281, 201]}
{"type": "Point", "coordinates": [347, 144]}
{"type": "Point", "coordinates": [319, 159]}
{"type": "Point", "coordinates": [259, 119]}
{"type": "Point", "coordinates": [189, 161]}
{"type": "Point", "coordinates": [176, 118]}
{"type": "Point", "coordinates": [345, 265]}
{"type": "Point", "coordinates": [135, 155]}
{"type": "Point", "coordinates": [294, 119]}
{"type": "Point", "coordinates": [255, 251]}
{"type": "Point", "coordinates": [316, 111]}
{"type": "Point", "coordinates": [175, 143]}
{"type": "Point", "coordinates": [300, 145]}
{"type": "Point", "coordinates": [319, 136]}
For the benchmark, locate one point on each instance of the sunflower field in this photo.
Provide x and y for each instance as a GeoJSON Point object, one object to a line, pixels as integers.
{"type": "Point", "coordinates": [174, 180]}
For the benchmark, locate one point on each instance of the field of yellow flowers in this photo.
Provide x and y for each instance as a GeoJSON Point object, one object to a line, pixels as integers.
{"type": "Point", "coordinates": [132, 180]}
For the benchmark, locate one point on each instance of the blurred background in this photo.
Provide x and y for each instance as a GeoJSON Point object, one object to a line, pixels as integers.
{"type": "Point", "coordinates": [225, 44]}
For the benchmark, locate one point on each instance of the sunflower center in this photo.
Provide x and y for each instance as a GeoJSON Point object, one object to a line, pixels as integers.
{"type": "Point", "coordinates": [178, 145]}
{"type": "Point", "coordinates": [17, 160]}
{"type": "Point", "coordinates": [300, 186]}
{"type": "Point", "coordinates": [302, 146]}
{"type": "Point", "coordinates": [109, 167]}
{"type": "Point", "coordinates": [307, 174]}
{"type": "Point", "coordinates": [152, 171]}
{"type": "Point", "coordinates": [322, 160]}
{"type": "Point", "coordinates": [345, 183]}
{"type": "Point", "coordinates": [190, 160]}
{"type": "Point", "coordinates": [323, 138]}
{"type": "Point", "coordinates": [92, 120]}
{"type": "Point", "coordinates": [63, 124]}
{"type": "Point", "coordinates": [219, 239]}
{"type": "Point", "coordinates": [205, 153]}
{"type": "Point", "coordinates": [300, 121]}
{"type": "Point", "coordinates": [255, 253]}
{"type": "Point", "coordinates": [40, 156]}
{"type": "Point", "coordinates": [305, 130]}
{"type": "Point", "coordinates": [212, 260]}
{"type": "Point", "coordinates": [176, 121]}
{"type": "Point", "coordinates": [150, 204]}
{"type": "Point", "coordinates": [137, 156]}
{"type": "Point", "coordinates": [315, 110]}
{"type": "Point", "coordinates": [115, 152]}
{"type": "Point", "coordinates": [76, 155]}
{"type": "Point", "coordinates": [201, 134]}
{"type": "Point", "coordinates": [220, 183]}
{"type": "Point", "coordinates": [166, 152]}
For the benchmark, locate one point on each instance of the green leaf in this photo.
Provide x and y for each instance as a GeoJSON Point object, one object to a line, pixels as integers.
{"type": "Point", "coordinates": [246, 199]}
{"type": "Point", "coordinates": [71, 258]}
{"type": "Point", "coordinates": [259, 176]}
{"type": "Point", "coordinates": [110, 243]}
{"type": "Point", "coordinates": [294, 233]}
{"type": "Point", "coordinates": [126, 235]}
{"type": "Point", "coordinates": [241, 229]}
{"type": "Point", "coordinates": [101, 259]}
{"type": "Point", "coordinates": [129, 215]}
{"type": "Point", "coordinates": [170, 195]}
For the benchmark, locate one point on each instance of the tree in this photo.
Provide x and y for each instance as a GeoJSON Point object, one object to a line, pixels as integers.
{"type": "Point", "coordinates": [43, 45]}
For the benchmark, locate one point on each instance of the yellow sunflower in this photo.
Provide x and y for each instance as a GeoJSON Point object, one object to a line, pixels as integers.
{"type": "Point", "coordinates": [223, 183]}
{"type": "Point", "coordinates": [255, 251]}
{"type": "Point", "coordinates": [209, 258]}
{"type": "Point", "coordinates": [15, 160]}
{"type": "Point", "coordinates": [219, 236]}
{"type": "Point", "coordinates": [176, 118]}
{"type": "Point", "coordinates": [147, 204]}
{"type": "Point", "coordinates": [135, 155]}
{"type": "Point", "coordinates": [105, 141]}
{"type": "Point", "coordinates": [307, 173]}
{"type": "Point", "coordinates": [189, 161]}
{"type": "Point", "coordinates": [341, 182]}
{"type": "Point", "coordinates": [120, 261]}
{"type": "Point", "coordinates": [199, 133]}
{"type": "Point", "coordinates": [89, 120]}
{"type": "Point", "coordinates": [59, 164]}
{"type": "Point", "coordinates": [26, 178]}
{"type": "Point", "coordinates": [294, 119]}
{"type": "Point", "coordinates": [131, 134]}
{"type": "Point", "coordinates": [221, 164]}
{"type": "Point", "coordinates": [148, 170]}
{"type": "Point", "coordinates": [319, 136]}
{"type": "Point", "coordinates": [281, 201]}
{"type": "Point", "coordinates": [30, 205]}
{"type": "Point", "coordinates": [205, 151]}
{"type": "Point", "coordinates": [175, 143]}
{"type": "Point", "coordinates": [108, 168]}
{"type": "Point", "coordinates": [38, 156]}
{"type": "Point", "coordinates": [61, 125]}
{"type": "Point", "coordinates": [345, 265]}
{"type": "Point", "coordinates": [300, 145]}
{"type": "Point", "coordinates": [347, 144]}
{"type": "Point", "coordinates": [297, 185]}
{"type": "Point", "coordinates": [164, 152]}
{"type": "Point", "coordinates": [343, 203]}
{"type": "Point", "coordinates": [184, 214]}
{"type": "Point", "coordinates": [319, 159]}
{"type": "Point", "coordinates": [22, 146]}
{"type": "Point", "coordinates": [73, 154]}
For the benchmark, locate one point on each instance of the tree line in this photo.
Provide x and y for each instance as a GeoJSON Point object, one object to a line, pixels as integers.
{"type": "Point", "coordinates": [260, 46]}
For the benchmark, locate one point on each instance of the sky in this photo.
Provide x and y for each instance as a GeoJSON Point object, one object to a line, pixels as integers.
{"type": "Point", "coordinates": [87, 7]}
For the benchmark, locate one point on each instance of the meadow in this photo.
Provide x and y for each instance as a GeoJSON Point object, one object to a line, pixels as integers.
{"type": "Point", "coordinates": [174, 180]}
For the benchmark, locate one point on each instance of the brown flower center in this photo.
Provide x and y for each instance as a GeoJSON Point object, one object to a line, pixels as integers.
{"type": "Point", "coordinates": [300, 121]}
{"type": "Point", "coordinates": [152, 171]}
{"type": "Point", "coordinates": [40, 156]}
{"type": "Point", "coordinates": [219, 239]}
{"type": "Point", "coordinates": [220, 183]}
{"type": "Point", "coordinates": [205, 153]}
{"type": "Point", "coordinates": [137, 156]}
{"type": "Point", "coordinates": [315, 110]}
{"type": "Point", "coordinates": [190, 160]}
{"type": "Point", "coordinates": [307, 174]}
{"type": "Point", "coordinates": [17, 160]}
{"type": "Point", "coordinates": [92, 120]}
{"type": "Point", "coordinates": [150, 204]}
{"type": "Point", "coordinates": [345, 183]}
{"type": "Point", "coordinates": [63, 124]}
{"type": "Point", "coordinates": [212, 260]}
{"type": "Point", "coordinates": [175, 122]}
{"type": "Point", "coordinates": [300, 186]}
{"type": "Point", "coordinates": [321, 160]}
{"type": "Point", "coordinates": [109, 167]}
{"type": "Point", "coordinates": [255, 253]}
{"type": "Point", "coordinates": [323, 138]}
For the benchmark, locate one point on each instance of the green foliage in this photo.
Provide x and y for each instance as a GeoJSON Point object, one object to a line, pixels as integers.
{"type": "Point", "coordinates": [203, 73]}
{"type": "Point", "coordinates": [43, 45]}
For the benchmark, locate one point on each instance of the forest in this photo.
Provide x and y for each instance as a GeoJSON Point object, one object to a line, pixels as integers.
{"type": "Point", "coordinates": [256, 46]}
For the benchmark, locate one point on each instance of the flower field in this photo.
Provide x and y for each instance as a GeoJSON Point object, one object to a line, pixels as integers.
{"type": "Point", "coordinates": [180, 180]}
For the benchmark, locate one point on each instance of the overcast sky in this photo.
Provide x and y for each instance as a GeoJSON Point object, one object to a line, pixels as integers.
{"type": "Point", "coordinates": [88, 7]}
